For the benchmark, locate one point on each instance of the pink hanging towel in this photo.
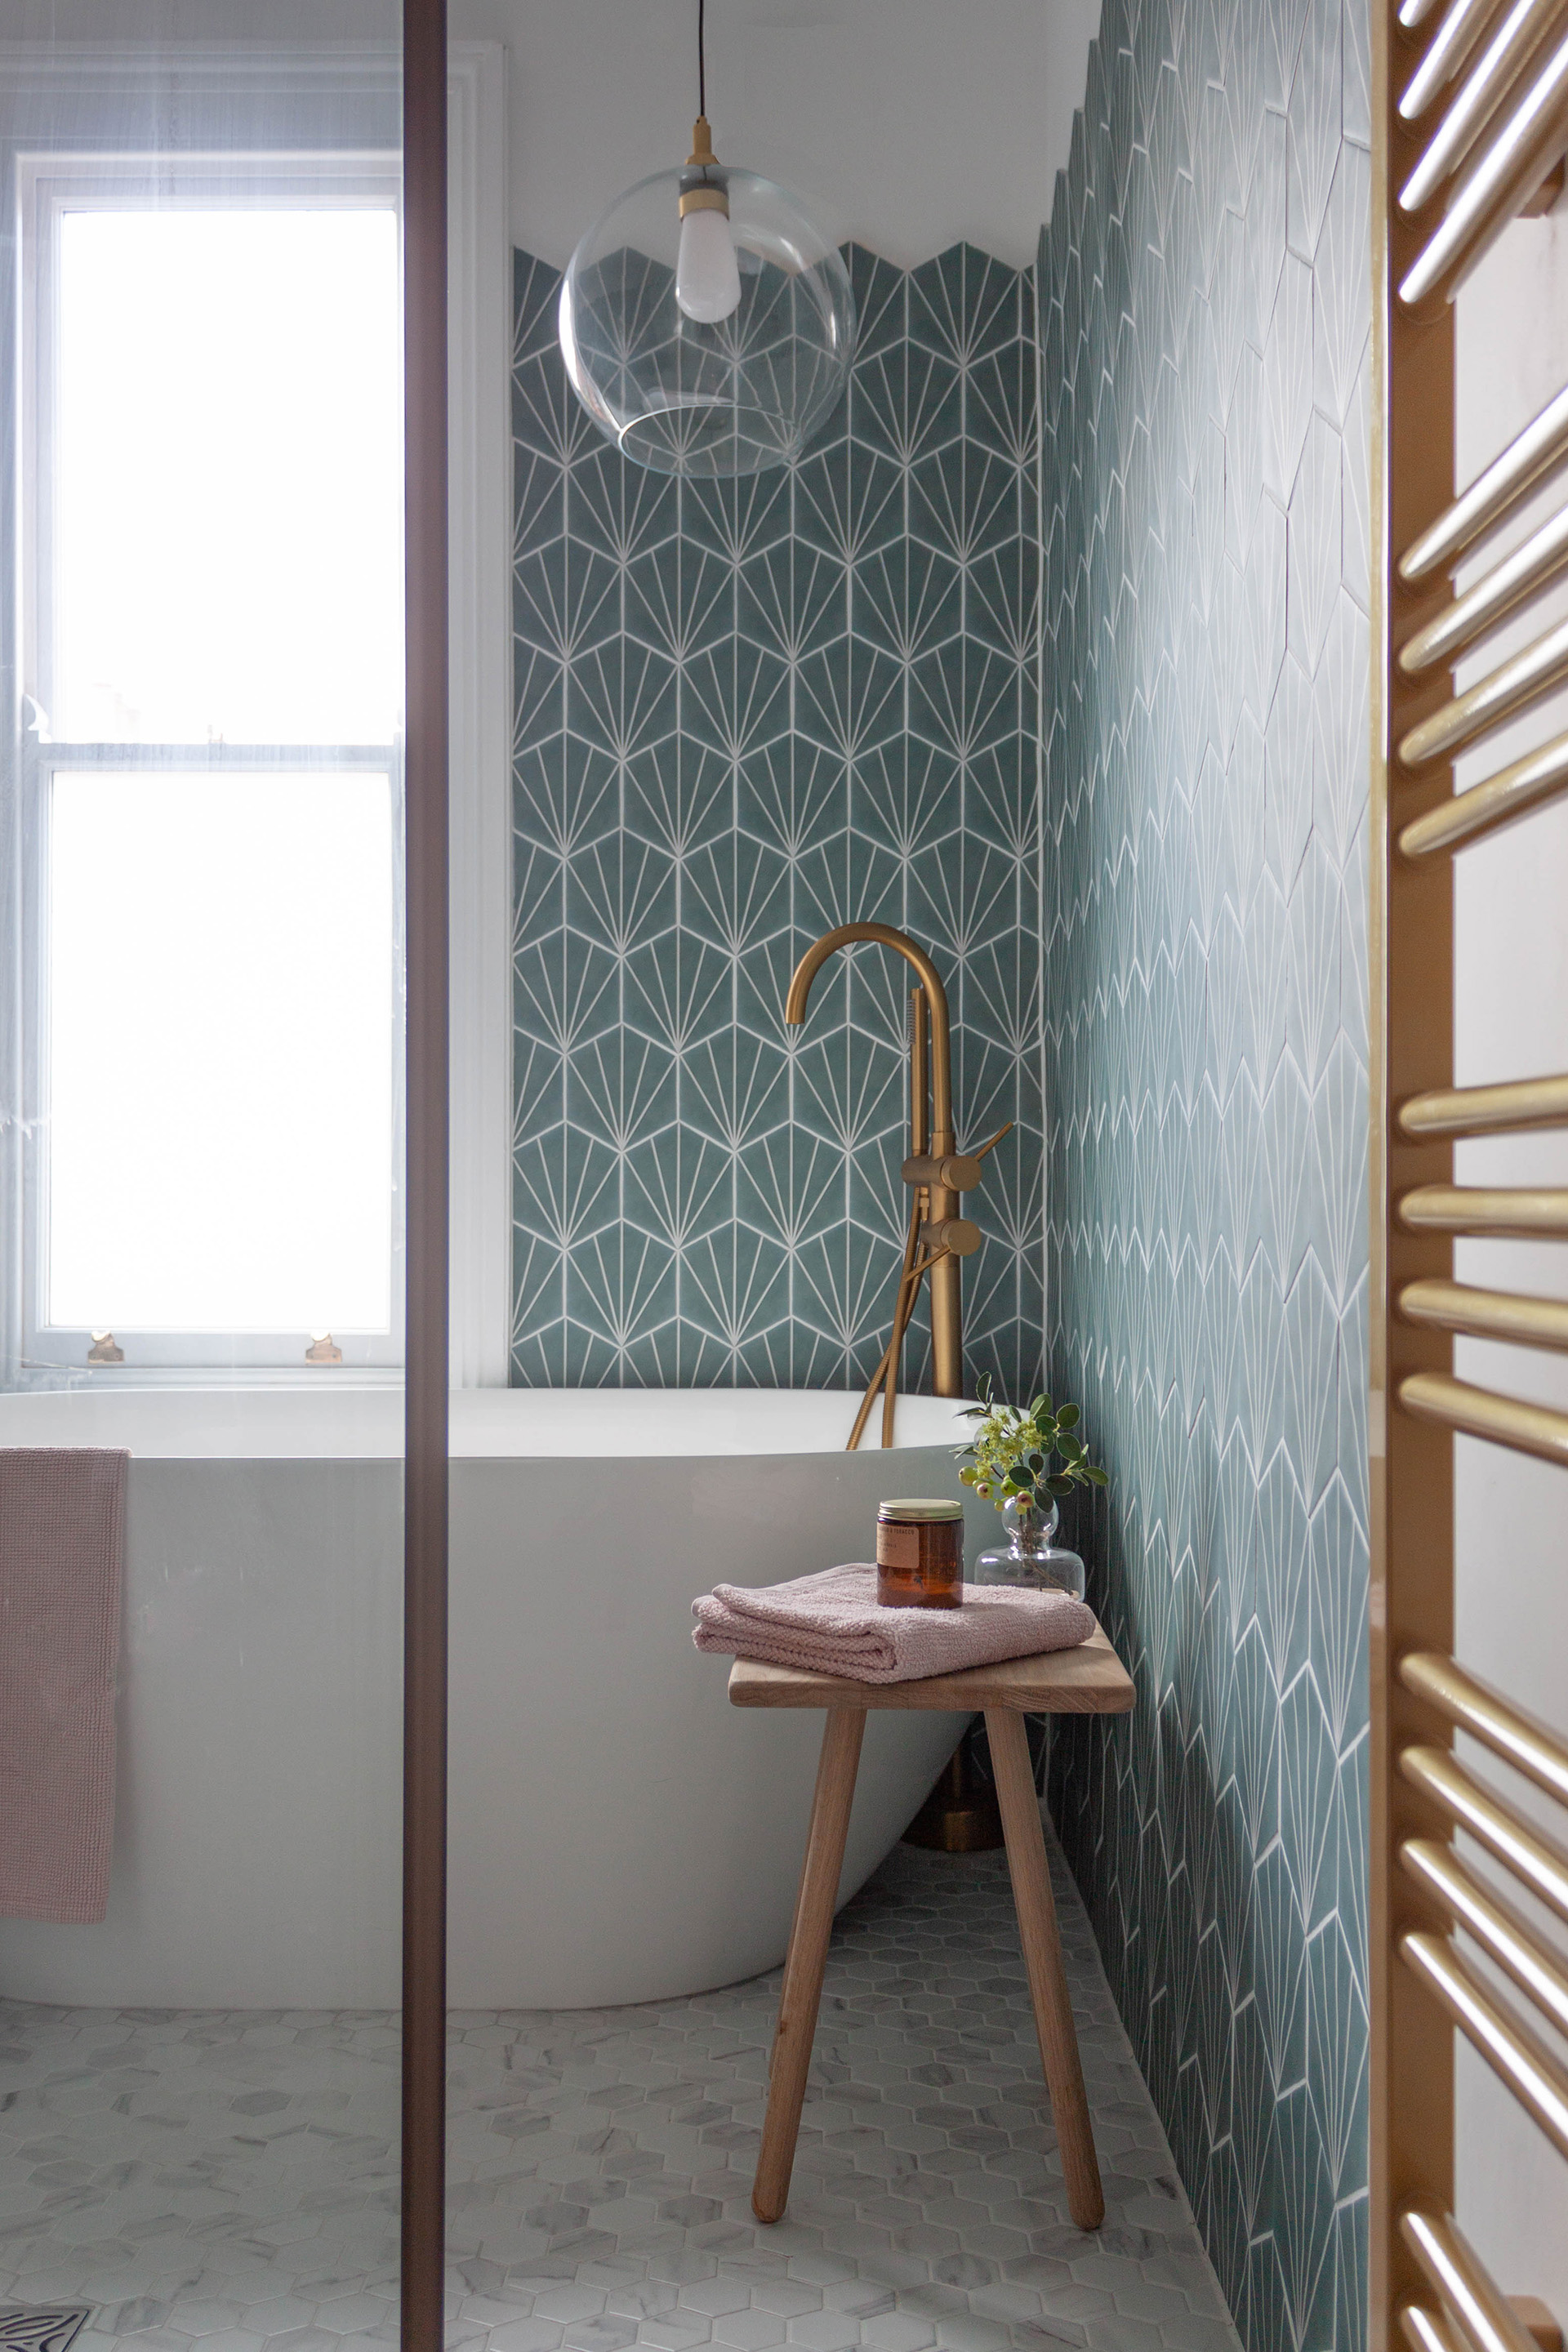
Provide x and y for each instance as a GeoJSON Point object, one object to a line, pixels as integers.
{"type": "Point", "coordinates": [62, 1565]}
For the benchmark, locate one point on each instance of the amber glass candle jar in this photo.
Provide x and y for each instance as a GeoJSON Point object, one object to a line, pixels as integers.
{"type": "Point", "coordinates": [919, 1553]}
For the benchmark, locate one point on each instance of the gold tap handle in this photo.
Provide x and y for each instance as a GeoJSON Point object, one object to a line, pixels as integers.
{"type": "Point", "coordinates": [994, 1142]}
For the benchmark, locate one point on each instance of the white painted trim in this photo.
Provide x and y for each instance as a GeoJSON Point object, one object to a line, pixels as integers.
{"type": "Point", "coordinates": [479, 324]}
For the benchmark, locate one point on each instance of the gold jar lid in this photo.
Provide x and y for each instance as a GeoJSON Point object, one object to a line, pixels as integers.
{"type": "Point", "coordinates": [919, 1507]}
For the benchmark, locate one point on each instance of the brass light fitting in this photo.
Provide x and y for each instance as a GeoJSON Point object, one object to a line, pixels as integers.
{"type": "Point", "coordinates": [705, 196]}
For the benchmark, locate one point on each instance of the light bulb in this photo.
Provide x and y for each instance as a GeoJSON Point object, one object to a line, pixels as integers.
{"type": "Point", "coordinates": [707, 281]}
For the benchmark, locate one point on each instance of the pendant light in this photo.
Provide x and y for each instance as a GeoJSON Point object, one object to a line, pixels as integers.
{"type": "Point", "coordinates": [708, 327]}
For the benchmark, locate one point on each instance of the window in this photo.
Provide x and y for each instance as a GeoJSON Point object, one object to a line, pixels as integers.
{"type": "Point", "coordinates": [201, 588]}
{"type": "Point", "coordinates": [211, 623]}
{"type": "Point", "coordinates": [221, 1072]}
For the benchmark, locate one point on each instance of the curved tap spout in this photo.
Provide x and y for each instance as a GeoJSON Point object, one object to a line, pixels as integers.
{"type": "Point", "coordinates": [848, 935]}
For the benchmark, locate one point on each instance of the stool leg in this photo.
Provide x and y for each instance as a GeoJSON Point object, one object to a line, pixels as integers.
{"type": "Point", "coordinates": [807, 1957]}
{"type": "Point", "coordinates": [1042, 1959]}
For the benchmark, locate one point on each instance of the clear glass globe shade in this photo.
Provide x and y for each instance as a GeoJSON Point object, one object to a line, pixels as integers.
{"type": "Point", "coordinates": [691, 396]}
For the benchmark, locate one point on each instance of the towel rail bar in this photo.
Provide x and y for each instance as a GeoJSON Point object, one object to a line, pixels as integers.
{"type": "Point", "coordinates": [1517, 791]}
{"type": "Point", "coordinates": [1521, 1738]}
{"type": "Point", "coordinates": [1484, 89]}
{"type": "Point", "coordinates": [1503, 1933]}
{"type": "Point", "coordinates": [1536, 668]}
{"type": "Point", "coordinates": [1512, 160]}
{"type": "Point", "coordinates": [1526, 1321]}
{"type": "Point", "coordinates": [1535, 448]}
{"type": "Point", "coordinates": [1499, 1210]}
{"type": "Point", "coordinates": [1482, 2312]}
{"type": "Point", "coordinates": [1427, 2331]}
{"type": "Point", "coordinates": [1536, 1860]}
{"type": "Point", "coordinates": [1454, 40]}
{"type": "Point", "coordinates": [1488, 1110]}
{"type": "Point", "coordinates": [1520, 576]}
{"type": "Point", "coordinates": [1514, 2051]}
{"type": "Point", "coordinates": [1536, 1428]}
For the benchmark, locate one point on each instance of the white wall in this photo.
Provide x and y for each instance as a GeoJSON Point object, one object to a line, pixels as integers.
{"type": "Point", "coordinates": [1511, 974]}
{"type": "Point", "coordinates": [907, 123]}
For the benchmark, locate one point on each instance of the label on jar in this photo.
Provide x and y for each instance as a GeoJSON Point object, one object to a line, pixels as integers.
{"type": "Point", "coordinates": [920, 1557]}
{"type": "Point", "coordinates": [898, 1543]}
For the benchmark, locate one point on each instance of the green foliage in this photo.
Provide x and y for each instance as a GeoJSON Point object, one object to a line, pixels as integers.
{"type": "Point", "coordinates": [1009, 1458]}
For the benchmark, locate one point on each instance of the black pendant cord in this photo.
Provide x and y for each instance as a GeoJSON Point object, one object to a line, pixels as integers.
{"type": "Point", "coordinates": [702, 59]}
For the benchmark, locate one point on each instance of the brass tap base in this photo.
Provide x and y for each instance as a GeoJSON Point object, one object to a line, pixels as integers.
{"type": "Point", "coordinates": [960, 1815]}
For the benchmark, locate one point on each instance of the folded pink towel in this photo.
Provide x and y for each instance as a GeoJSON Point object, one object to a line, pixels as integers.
{"type": "Point", "coordinates": [62, 1524]}
{"type": "Point", "coordinates": [832, 1624]}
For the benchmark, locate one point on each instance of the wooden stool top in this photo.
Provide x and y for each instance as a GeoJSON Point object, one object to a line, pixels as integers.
{"type": "Point", "coordinates": [1088, 1680]}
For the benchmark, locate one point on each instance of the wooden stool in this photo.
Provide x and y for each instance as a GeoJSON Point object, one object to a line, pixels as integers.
{"type": "Point", "coordinates": [1089, 1680]}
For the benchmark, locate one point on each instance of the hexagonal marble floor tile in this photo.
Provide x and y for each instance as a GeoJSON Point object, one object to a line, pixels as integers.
{"type": "Point", "coordinates": [229, 2181]}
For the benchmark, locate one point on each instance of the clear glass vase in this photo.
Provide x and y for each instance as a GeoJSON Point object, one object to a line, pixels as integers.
{"type": "Point", "coordinates": [1029, 1556]}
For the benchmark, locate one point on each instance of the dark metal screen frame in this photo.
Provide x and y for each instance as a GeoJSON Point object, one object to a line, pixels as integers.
{"type": "Point", "coordinates": [423, 2132]}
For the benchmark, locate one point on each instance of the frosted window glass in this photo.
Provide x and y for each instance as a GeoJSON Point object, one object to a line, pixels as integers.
{"type": "Point", "coordinates": [228, 478]}
{"type": "Point", "coordinates": [220, 1046]}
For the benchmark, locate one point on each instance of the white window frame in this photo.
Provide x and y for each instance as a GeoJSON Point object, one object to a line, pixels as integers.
{"type": "Point", "coordinates": [480, 328]}
{"type": "Point", "coordinates": [49, 187]}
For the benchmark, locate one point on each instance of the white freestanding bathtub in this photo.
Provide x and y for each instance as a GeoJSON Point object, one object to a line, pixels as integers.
{"type": "Point", "coordinates": [618, 1832]}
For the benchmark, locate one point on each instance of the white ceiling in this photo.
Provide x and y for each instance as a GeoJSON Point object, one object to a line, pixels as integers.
{"type": "Point", "coordinates": [906, 123]}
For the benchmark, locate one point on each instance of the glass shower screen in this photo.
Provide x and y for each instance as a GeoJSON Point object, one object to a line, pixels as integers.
{"type": "Point", "coordinates": [204, 1286]}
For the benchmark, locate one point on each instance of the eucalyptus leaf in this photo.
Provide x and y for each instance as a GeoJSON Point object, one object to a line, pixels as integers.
{"type": "Point", "coordinates": [1017, 1456]}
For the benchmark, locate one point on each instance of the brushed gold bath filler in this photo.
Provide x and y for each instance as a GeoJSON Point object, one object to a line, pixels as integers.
{"type": "Point", "coordinates": [936, 1172]}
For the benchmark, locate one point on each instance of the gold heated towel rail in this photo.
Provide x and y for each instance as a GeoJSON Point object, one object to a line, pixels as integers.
{"type": "Point", "coordinates": [1470, 115]}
